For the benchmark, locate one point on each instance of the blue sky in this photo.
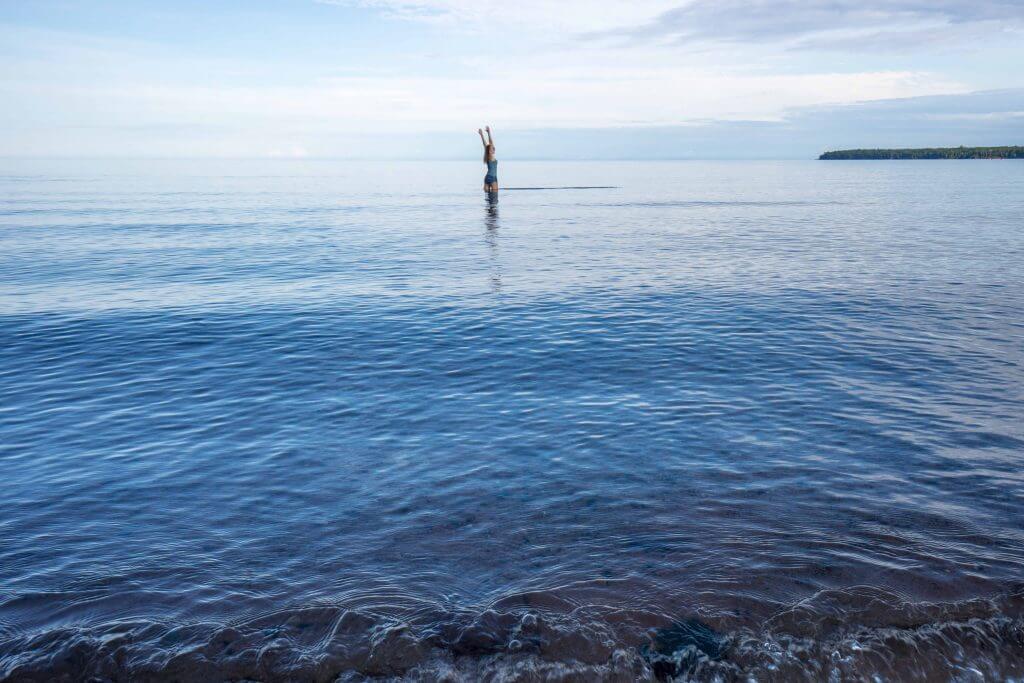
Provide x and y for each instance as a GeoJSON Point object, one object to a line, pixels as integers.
{"type": "Point", "coordinates": [568, 79]}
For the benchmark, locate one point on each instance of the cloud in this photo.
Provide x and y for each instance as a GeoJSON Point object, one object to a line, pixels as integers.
{"type": "Point", "coordinates": [803, 22]}
{"type": "Point", "coordinates": [82, 92]}
{"type": "Point", "coordinates": [134, 88]}
{"type": "Point", "coordinates": [526, 99]}
{"type": "Point", "coordinates": [811, 22]}
{"type": "Point", "coordinates": [537, 15]}
{"type": "Point", "coordinates": [979, 118]}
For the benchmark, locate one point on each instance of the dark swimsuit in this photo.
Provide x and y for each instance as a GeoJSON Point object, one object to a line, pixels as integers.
{"type": "Point", "coordinates": [492, 172]}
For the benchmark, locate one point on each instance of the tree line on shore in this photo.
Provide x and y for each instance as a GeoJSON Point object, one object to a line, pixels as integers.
{"type": "Point", "coordinates": [1012, 152]}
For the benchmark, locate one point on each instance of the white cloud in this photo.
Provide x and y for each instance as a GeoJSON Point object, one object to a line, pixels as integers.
{"type": "Point", "coordinates": [991, 116]}
{"type": "Point", "coordinates": [536, 15]}
{"type": "Point", "coordinates": [846, 25]}
{"type": "Point", "coordinates": [830, 24]}
{"type": "Point", "coordinates": [79, 93]}
{"type": "Point", "coordinates": [565, 98]}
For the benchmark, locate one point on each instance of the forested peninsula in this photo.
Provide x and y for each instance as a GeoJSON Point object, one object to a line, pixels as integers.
{"type": "Point", "coordinates": [927, 153]}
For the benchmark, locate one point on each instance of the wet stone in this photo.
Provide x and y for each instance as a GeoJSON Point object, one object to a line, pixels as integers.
{"type": "Point", "coordinates": [679, 648]}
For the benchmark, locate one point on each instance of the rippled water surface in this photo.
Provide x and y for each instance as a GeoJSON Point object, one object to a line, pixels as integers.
{"type": "Point", "coordinates": [310, 420]}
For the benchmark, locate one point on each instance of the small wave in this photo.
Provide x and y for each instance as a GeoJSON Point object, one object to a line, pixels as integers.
{"type": "Point", "coordinates": [712, 204]}
{"type": "Point", "coordinates": [567, 187]}
{"type": "Point", "coordinates": [859, 634]}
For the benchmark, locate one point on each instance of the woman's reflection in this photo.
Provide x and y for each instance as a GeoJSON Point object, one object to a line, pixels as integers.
{"type": "Point", "coordinates": [491, 236]}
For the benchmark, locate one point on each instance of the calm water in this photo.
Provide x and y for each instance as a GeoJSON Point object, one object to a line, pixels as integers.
{"type": "Point", "coordinates": [303, 420]}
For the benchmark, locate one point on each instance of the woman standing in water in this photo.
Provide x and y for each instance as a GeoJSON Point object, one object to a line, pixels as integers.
{"type": "Point", "coordinates": [491, 179]}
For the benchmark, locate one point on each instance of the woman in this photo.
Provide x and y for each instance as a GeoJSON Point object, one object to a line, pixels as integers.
{"type": "Point", "coordinates": [491, 179]}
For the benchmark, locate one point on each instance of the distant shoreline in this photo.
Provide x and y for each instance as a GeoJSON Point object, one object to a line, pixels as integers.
{"type": "Point", "coordinates": [1013, 152]}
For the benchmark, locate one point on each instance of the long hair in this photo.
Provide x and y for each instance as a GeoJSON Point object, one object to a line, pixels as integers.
{"type": "Point", "coordinates": [488, 153]}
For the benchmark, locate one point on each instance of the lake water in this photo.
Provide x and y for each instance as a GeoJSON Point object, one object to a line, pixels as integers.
{"type": "Point", "coordinates": [316, 419]}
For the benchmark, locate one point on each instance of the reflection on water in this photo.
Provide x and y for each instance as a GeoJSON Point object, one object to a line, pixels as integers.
{"type": "Point", "coordinates": [726, 422]}
{"type": "Point", "coordinates": [491, 235]}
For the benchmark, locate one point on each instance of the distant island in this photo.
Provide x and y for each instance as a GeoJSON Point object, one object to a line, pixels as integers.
{"type": "Point", "coordinates": [927, 153]}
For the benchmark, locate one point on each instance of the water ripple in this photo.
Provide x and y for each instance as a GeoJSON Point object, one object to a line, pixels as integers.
{"type": "Point", "coordinates": [730, 421]}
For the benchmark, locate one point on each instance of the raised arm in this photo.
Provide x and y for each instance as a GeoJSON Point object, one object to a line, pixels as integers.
{"type": "Point", "coordinates": [481, 132]}
{"type": "Point", "coordinates": [490, 140]}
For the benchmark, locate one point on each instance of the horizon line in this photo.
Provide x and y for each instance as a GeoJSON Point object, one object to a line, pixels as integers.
{"type": "Point", "coordinates": [423, 159]}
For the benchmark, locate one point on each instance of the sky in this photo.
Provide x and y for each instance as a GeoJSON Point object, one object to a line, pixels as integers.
{"type": "Point", "coordinates": [587, 79]}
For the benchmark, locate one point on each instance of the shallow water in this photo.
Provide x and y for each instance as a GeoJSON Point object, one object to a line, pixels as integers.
{"type": "Point", "coordinates": [310, 420]}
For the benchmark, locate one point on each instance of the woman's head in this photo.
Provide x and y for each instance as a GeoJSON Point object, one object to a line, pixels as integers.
{"type": "Point", "coordinates": [490, 151]}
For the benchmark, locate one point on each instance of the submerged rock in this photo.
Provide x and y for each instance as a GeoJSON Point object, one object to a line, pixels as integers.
{"type": "Point", "coordinates": [682, 646]}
